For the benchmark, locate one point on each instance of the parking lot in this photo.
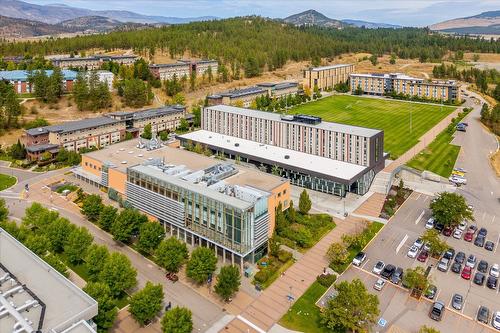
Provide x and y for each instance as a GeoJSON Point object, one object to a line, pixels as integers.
{"type": "Point", "coordinates": [391, 246]}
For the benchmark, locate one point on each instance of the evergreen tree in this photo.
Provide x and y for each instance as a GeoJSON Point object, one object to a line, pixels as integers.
{"type": "Point", "coordinates": [304, 202]}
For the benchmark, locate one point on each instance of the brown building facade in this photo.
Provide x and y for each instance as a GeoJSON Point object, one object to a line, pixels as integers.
{"type": "Point", "coordinates": [327, 77]}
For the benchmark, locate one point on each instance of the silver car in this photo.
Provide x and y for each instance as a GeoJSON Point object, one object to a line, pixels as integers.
{"type": "Point", "coordinates": [457, 302]}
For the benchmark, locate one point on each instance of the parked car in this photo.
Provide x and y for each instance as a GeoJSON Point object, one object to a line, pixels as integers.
{"type": "Point", "coordinates": [412, 252]}
{"type": "Point", "coordinates": [458, 180]}
{"type": "Point", "coordinates": [483, 266]}
{"type": "Point", "coordinates": [359, 259]}
{"type": "Point", "coordinates": [461, 127]}
{"type": "Point", "coordinates": [443, 264]}
{"type": "Point", "coordinates": [387, 271]}
{"type": "Point", "coordinates": [483, 232]}
{"type": "Point", "coordinates": [422, 257]}
{"type": "Point", "coordinates": [397, 276]}
{"type": "Point", "coordinates": [379, 266]}
{"type": "Point", "coordinates": [460, 257]}
{"type": "Point", "coordinates": [430, 223]}
{"type": "Point", "coordinates": [457, 234]}
{"type": "Point", "coordinates": [466, 273]}
{"type": "Point", "coordinates": [479, 278]}
{"type": "Point", "coordinates": [468, 236]}
{"type": "Point", "coordinates": [379, 284]}
{"type": "Point", "coordinates": [418, 243]}
{"type": "Point", "coordinates": [449, 254]}
{"type": "Point", "coordinates": [439, 227]}
{"type": "Point", "coordinates": [495, 321]}
{"type": "Point", "coordinates": [447, 231]}
{"type": "Point", "coordinates": [492, 282]}
{"type": "Point", "coordinates": [426, 247]}
{"type": "Point", "coordinates": [479, 241]}
{"type": "Point", "coordinates": [457, 302]}
{"type": "Point", "coordinates": [489, 245]}
{"type": "Point", "coordinates": [456, 267]}
{"type": "Point", "coordinates": [437, 311]}
{"type": "Point", "coordinates": [462, 226]}
{"type": "Point", "coordinates": [472, 228]}
{"type": "Point", "coordinates": [431, 291]}
{"type": "Point", "coordinates": [471, 261]}
{"type": "Point", "coordinates": [495, 270]}
{"type": "Point", "coordinates": [483, 314]}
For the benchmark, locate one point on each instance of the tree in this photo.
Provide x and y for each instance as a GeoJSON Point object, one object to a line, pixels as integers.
{"type": "Point", "coordinates": [353, 308]}
{"type": "Point", "coordinates": [147, 134]}
{"type": "Point", "coordinates": [171, 254]}
{"type": "Point", "coordinates": [37, 217]}
{"type": "Point", "coordinates": [337, 254]}
{"type": "Point", "coordinates": [92, 206]}
{"type": "Point", "coordinates": [127, 223]}
{"type": "Point", "coordinates": [107, 217]}
{"type": "Point", "coordinates": [4, 211]}
{"type": "Point", "coordinates": [184, 126]}
{"type": "Point", "coordinates": [450, 209]}
{"type": "Point", "coordinates": [291, 213]}
{"type": "Point", "coordinates": [252, 68]}
{"type": "Point", "coordinates": [179, 98]}
{"type": "Point", "coordinates": [150, 235]}
{"type": "Point", "coordinates": [135, 93]}
{"type": "Point", "coordinates": [78, 242]}
{"type": "Point", "coordinates": [304, 202]}
{"type": "Point", "coordinates": [10, 108]}
{"type": "Point", "coordinates": [201, 265]}
{"type": "Point", "coordinates": [436, 245]}
{"type": "Point", "coordinates": [146, 303]}
{"type": "Point", "coordinates": [57, 264]}
{"type": "Point", "coordinates": [107, 305]}
{"type": "Point", "coordinates": [118, 273]}
{"type": "Point", "coordinates": [373, 59]}
{"type": "Point", "coordinates": [39, 244]}
{"type": "Point", "coordinates": [228, 281]}
{"type": "Point", "coordinates": [197, 116]}
{"type": "Point", "coordinates": [416, 279]}
{"type": "Point", "coordinates": [192, 80]}
{"type": "Point", "coordinates": [95, 257]}
{"type": "Point", "coordinates": [58, 232]}
{"type": "Point", "coordinates": [177, 320]}
{"type": "Point", "coordinates": [428, 329]}
{"type": "Point", "coordinates": [81, 91]}
{"type": "Point", "coordinates": [392, 61]}
{"type": "Point", "coordinates": [17, 151]}
{"type": "Point", "coordinates": [496, 92]}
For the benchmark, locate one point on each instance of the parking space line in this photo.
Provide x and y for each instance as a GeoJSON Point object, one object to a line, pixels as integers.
{"type": "Point", "coordinates": [420, 217]}
{"type": "Point", "coordinates": [364, 264]}
{"type": "Point", "coordinates": [402, 243]}
{"type": "Point", "coordinates": [498, 242]}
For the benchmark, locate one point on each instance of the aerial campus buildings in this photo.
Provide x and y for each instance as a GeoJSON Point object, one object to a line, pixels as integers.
{"type": "Point", "coordinates": [245, 96]}
{"type": "Point", "coordinates": [34, 297]}
{"type": "Point", "coordinates": [19, 79]}
{"type": "Point", "coordinates": [327, 77]}
{"type": "Point", "coordinates": [183, 68]}
{"type": "Point", "coordinates": [322, 156]}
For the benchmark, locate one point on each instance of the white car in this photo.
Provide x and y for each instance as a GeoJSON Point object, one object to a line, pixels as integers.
{"type": "Point", "coordinates": [379, 284]}
{"type": "Point", "coordinates": [495, 322]}
{"type": "Point", "coordinates": [412, 252]}
{"type": "Point", "coordinates": [495, 270]}
{"type": "Point", "coordinates": [379, 266]}
{"type": "Point", "coordinates": [457, 234]}
{"type": "Point", "coordinates": [430, 223]}
{"type": "Point", "coordinates": [359, 259]}
{"type": "Point", "coordinates": [462, 226]}
{"type": "Point", "coordinates": [419, 243]}
{"type": "Point", "coordinates": [458, 180]}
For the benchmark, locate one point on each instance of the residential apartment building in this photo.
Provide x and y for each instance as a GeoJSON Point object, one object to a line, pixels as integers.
{"type": "Point", "coordinates": [345, 157]}
{"type": "Point", "coordinates": [105, 77]}
{"type": "Point", "coordinates": [92, 62]}
{"type": "Point", "coordinates": [183, 68]}
{"type": "Point", "coordinates": [327, 77]}
{"type": "Point", "coordinates": [383, 84]}
{"type": "Point", "coordinates": [19, 79]}
{"type": "Point", "coordinates": [246, 96]}
{"type": "Point", "coordinates": [100, 131]}
{"type": "Point", "coordinates": [203, 201]}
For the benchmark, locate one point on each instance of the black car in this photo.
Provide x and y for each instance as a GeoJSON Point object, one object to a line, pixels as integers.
{"type": "Point", "coordinates": [489, 245]}
{"type": "Point", "coordinates": [449, 254]}
{"type": "Point", "coordinates": [482, 266]}
{"type": "Point", "coordinates": [388, 271]}
{"type": "Point", "coordinates": [483, 315]}
{"type": "Point", "coordinates": [492, 282]}
{"type": "Point", "coordinates": [460, 257]}
{"type": "Point", "coordinates": [439, 227]}
{"type": "Point", "coordinates": [456, 267]}
{"type": "Point", "coordinates": [480, 241]}
{"type": "Point", "coordinates": [397, 276]}
{"type": "Point", "coordinates": [479, 278]}
{"type": "Point", "coordinates": [431, 291]}
{"type": "Point", "coordinates": [482, 232]}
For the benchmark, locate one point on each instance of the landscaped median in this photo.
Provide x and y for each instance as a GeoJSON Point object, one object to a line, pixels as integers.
{"type": "Point", "coordinates": [6, 181]}
{"type": "Point", "coordinates": [440, 155]}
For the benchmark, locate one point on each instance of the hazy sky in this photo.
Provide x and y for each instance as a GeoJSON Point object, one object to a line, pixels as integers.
{"type": "Point", "coordinates": [404, 12]}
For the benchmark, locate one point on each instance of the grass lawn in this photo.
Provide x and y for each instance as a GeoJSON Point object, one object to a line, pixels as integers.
{"type": "Point", "coordinates": [6, 181]}
{"type": "Point", "coordinates": [304, 316]}
{"type": "Point", "coordinates": [389, 115]}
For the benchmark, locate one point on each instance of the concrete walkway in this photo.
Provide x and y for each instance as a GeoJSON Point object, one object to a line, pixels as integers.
{"type": "Point", "coordinates": [261, 314]}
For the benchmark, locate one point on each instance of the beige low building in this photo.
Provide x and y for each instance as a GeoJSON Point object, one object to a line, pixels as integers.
{"type": "Point", "coordinates": [327, 77]}
{"type": "Point", "coordinates": [245, 96]}
{"type": "Point", "coordinates": [182, 68]}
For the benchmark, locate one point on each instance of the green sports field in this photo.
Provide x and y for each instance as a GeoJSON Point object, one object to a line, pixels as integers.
{"type": "Point", "coordinates": [389, 115]}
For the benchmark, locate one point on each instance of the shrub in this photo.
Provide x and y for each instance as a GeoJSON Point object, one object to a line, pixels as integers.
{"type": "Point", "coordinates": [262, 275]}
{"type": "Point", "coordinates": [284, 256]}
{"type": "Point", "coordinates": [326, 280]}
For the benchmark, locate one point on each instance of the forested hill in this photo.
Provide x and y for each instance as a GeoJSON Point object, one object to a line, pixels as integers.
{"type": "Point", "coordinates": [263, 42]}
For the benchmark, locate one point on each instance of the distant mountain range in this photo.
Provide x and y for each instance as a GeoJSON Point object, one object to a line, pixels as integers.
{"type": "Point", "coordinates": [487, 23]}
{"type": "Point", "coordinates": [313, 17]}
{"type": "Point", "coordinates": [56, 13]}
{"type": "Point", "coordinates": [371, 25]}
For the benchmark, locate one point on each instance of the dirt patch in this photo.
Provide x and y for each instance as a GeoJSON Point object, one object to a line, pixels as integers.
{"type": "Point", "coordinates": [495, 162]}
{"type": "Point", "coordinates": [483, 57]}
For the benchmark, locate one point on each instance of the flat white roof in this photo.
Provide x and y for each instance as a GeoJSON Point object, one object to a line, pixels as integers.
{"type": "Point", "coordinates": [335, 127]}
{"type": "Point", "coordinates": [322, 68]}
{"type": "Point", "coordinates": [317, 164]}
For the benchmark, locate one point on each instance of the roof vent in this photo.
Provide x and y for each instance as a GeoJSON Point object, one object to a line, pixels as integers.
{"type": "Point", "coordinates": [287, 157]}
{"type": "Point", "coordinates": [236, 144]}
{"type": "Point", "coordinates": [40, 129]}
{"type": "Point", "coordinates": [124, 162]}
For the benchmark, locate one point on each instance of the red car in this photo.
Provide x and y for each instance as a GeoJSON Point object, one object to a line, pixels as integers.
{"type": "Point", "coordinates": [466, 273]}
{"type": "Point", "coordinates": [448, 231]}
{"type": "Point", "coordinates": [468, 236]}
{"type": "Point", "coordinates": [422, 257]}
